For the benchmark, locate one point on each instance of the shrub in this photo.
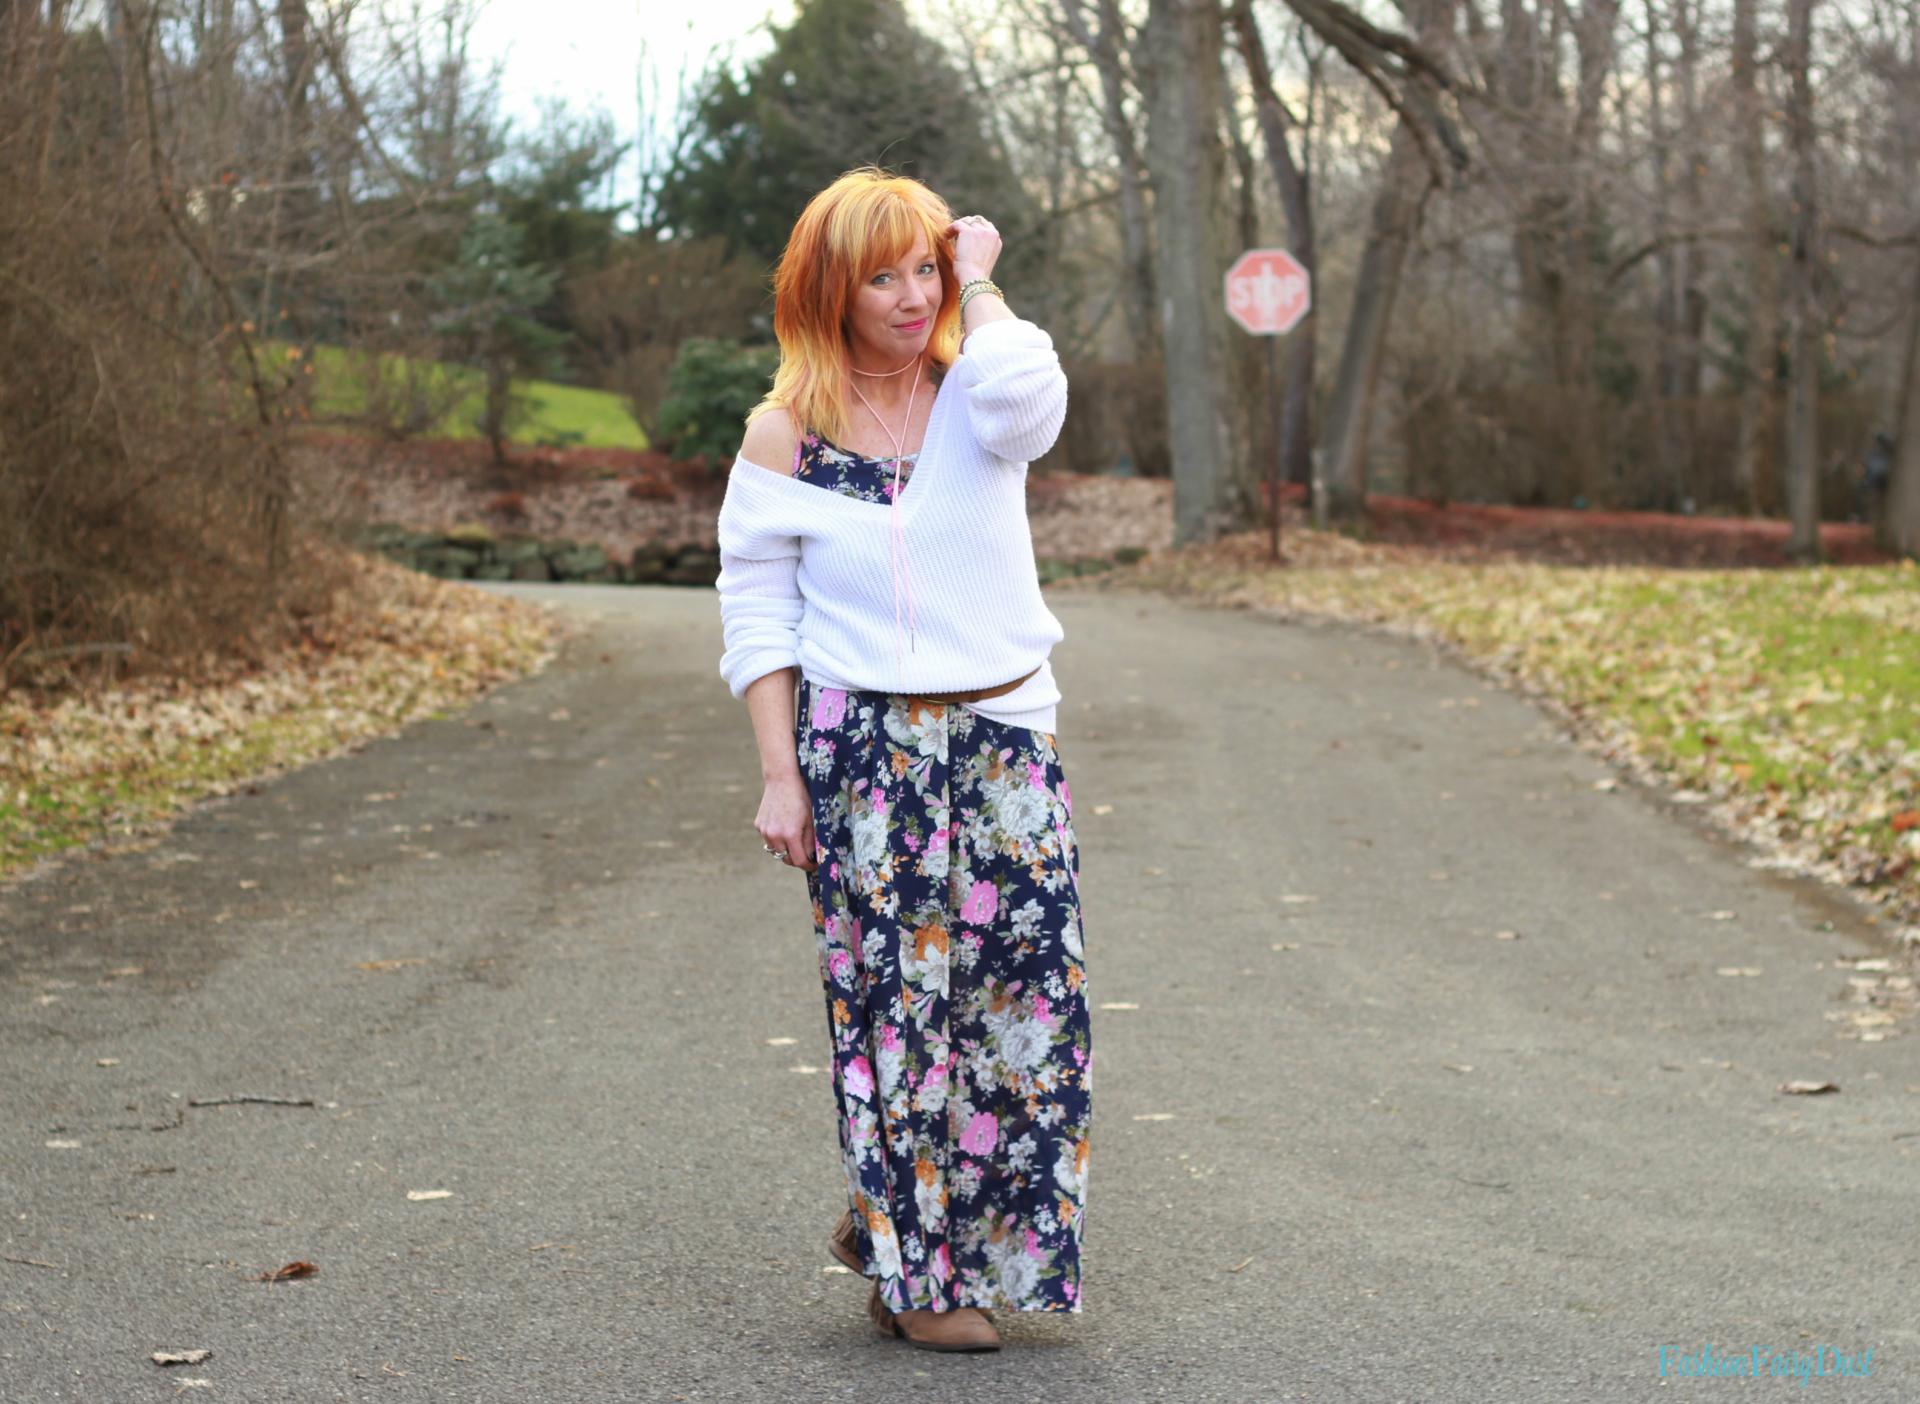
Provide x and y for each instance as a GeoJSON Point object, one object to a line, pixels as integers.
{"type": "Point", "coordinates": [709, 391]}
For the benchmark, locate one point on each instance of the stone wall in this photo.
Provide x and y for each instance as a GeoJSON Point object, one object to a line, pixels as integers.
{"type": "Point", "coordinates": [478, 553]}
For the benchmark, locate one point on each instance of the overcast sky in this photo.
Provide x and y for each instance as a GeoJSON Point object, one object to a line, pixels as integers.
{"type": "Point", "coordinates": [588, 51]}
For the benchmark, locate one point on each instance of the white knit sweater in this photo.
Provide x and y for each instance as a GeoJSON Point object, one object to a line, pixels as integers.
{"type": "Point", "coordinates": [808, 576]}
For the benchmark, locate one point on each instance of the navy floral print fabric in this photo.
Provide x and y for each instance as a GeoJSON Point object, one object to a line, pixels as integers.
{"type": "Point", "coordinates": [827, 465]}
{"type": "Point", "coordinates": [946, 909]}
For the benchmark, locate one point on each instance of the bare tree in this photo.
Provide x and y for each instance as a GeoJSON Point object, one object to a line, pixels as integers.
{"type": "Point", "coordinates": [1803, 391]}
{"type": "Point", "coordinates": [1673, 146]}
{"type": "Point", "coordinates": [1754, 456]}
{"type": "Point", "coordinates": [1106, 46]}
{"type": "Point", "coordinates": [1179, 57]}
{"type": "Point", "coordinates": [1409, 179]}
{"type": "Point", "coordinates": [1280, 129]}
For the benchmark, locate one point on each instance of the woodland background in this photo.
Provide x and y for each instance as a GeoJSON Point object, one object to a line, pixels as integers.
{"type": "Point", "coordinates": [1601, 255]}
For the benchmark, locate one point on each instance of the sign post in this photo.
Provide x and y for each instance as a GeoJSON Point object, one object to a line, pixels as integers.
{"type": "Point", "coordinates": [1268, 292]}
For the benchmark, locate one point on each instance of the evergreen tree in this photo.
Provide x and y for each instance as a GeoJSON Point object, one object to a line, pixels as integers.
{"type": "Point", "coordinates": [849, 82]}
{"type": "Point", "coordinates": [490, 297]}
{"type": "Point", "coordinates": [551, 192]}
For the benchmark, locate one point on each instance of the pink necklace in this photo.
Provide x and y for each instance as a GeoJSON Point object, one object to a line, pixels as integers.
{"type": "Point", "coordinates": [898, 533]}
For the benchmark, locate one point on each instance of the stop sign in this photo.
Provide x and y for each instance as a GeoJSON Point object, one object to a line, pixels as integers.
{"type": "Point", "coordinates": [1267, 291]}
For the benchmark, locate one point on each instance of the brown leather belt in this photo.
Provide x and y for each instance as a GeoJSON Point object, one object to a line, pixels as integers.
{"type": "Point", "coordinates": [979, 696]}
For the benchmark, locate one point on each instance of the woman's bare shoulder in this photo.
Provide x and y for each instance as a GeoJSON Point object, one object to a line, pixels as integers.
{"type": "Point", "coordinates": [771, 441]}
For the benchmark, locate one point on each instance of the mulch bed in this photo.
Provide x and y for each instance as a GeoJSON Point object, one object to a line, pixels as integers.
{"type": "Point", "coordinates": [1611, 538]}
{"type": "Point", "coordinates": [620, 498]}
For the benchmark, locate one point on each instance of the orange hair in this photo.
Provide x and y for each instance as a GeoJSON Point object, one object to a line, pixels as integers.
{"type": "Point", "coordinates": [864, 221]}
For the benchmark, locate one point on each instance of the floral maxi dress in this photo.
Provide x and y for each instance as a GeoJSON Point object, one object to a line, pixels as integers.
{"type": "Point", "coordinates": [947, 916]}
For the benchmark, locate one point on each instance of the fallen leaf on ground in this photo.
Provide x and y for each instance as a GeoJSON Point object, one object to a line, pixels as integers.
{"type": "Point", "coordinates": [300, 1268]}
{"type": "Point", "coordinates": [179, 1357]}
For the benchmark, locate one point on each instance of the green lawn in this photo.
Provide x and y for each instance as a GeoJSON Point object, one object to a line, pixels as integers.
{"type": "Point", "coordinates": [563, 415]}
{"type": "Point", "coordinates": [1795, 693]}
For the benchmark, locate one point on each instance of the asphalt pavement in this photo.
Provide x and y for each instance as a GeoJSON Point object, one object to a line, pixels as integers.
{"type": "Point", "coordinates": [1417, 1078]}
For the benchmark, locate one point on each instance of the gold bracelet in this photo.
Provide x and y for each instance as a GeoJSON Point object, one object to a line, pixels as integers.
{"type": "Point", "coordinates": [974, 287]}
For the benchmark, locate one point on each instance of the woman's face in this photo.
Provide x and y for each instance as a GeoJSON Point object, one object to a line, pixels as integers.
{"type": "Point", "coordinates": [893, 309]}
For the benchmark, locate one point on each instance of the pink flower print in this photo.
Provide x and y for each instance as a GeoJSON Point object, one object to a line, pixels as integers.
{"type": "Point", "coordinates": [1067, 1287]}
{"type": "Point", "coordinates": [1066, 796]}
{"type": "Point", "coordinates": [1041, 1009]}
{"type": "Point", "coordinates": [982, 1134]}
{"type": "Point", "coordinates": [890, 1038]}
{"type": "Point", "coordinates": [941, 1264]}
{"type": "Point", "coordinates": [829, 706]}
{"type": "Point", "coordinates": [982, 902]}
{"type": "Point", "coordinates": [1036, 775]}
{"type": "Point", "coordinates": [1080, 1056]}
{"type": "Point", "coordinates": [859, 1078]}
{"type": "Point", "coordinates": [913, 843]}
{"type": "Point", "coordinates": [1033, 1245]}
{"type": "Point", "coordinates": [839, 962]}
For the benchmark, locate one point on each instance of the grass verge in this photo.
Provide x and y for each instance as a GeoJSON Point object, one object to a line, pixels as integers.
{"type": "Point", "coordinates": [1787, 699]}
{"type": "Point", "coordinates": [120, 762]}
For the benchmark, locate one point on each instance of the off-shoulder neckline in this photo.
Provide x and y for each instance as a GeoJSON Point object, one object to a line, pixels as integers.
{"type": "Point", "coordinates": [923, 473]}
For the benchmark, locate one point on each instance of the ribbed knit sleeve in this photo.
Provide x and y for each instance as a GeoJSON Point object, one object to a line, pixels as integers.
{"type": "Point", "coordinates": [760, 601]}
{"type": "Point", "coordinates": [1016, 392]}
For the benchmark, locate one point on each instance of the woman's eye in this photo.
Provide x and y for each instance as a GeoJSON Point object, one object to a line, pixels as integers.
{"type": "Point", "coordinates": [928, 267]}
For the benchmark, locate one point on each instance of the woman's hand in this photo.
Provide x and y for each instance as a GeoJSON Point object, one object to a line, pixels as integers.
{"type": "Point", "coordinates": [785, 820]}
{"type": "Point", "coordinates": [976, 247]}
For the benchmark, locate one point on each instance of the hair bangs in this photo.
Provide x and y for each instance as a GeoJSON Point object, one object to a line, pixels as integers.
{"type": "Point", "coordinates": [897, 226]}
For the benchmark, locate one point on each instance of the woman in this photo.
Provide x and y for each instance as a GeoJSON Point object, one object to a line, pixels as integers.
{"type": "Point", "coordinates": [915, 777]}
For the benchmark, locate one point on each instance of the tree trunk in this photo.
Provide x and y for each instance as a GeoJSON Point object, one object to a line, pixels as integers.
{"type": "Point", "coordinates": [1397, 207]}
{"type": "Point", "coordinates": [1754, 459]}
{"type": "Point", "coordinates": [1291, 179]}
{"type": "Point", "coordinates": [1143, 322]}
{"type": "Point", "coordinates": [1396, 215]}
{"type": "Point", "coordinates": [1689, 361]}
{"type": "Point", "coordinates": [1899, 524]}
{"type": "Point", "coordinates": [1803, 438]}
{"type": "Point", "coordinates": [1180, 60]}
{"type": "Point", "coordinates": [1666, 316]}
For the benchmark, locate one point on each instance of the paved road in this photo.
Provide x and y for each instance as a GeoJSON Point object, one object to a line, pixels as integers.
{"type": "Point", "coordinates": [1349, 1145]}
